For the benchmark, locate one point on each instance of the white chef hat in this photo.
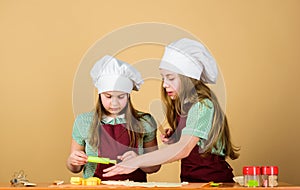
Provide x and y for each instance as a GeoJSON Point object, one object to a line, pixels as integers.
{"type": "Point", "coordinates": [111, 74]}
{"type": "Point", "coordinates": [190, 58]}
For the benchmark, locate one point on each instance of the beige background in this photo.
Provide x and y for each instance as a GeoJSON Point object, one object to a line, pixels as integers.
{"type": "Point", "coordinates": [256, 44]}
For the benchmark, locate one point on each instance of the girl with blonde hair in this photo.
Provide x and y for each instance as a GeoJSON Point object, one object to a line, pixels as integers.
{"type": "Point", "coordinates": [199, 134]}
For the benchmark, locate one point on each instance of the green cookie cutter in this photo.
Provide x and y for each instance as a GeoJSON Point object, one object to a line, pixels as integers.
{"type": "Point", "coordinates": [101, 160]}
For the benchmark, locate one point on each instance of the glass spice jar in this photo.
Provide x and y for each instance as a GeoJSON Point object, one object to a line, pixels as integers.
{"type": "Point", "coordinates": [269, 176]}
{"type": "Point", "coordinates": [251, 176]}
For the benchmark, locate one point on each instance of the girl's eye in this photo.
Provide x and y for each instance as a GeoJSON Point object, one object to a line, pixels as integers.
{"type": "Point", "coordinates": [171, 79]}
{"type": "Point", "coordinates": [107, 96]}
{"type": "Point", "coordinates": [121, 96]}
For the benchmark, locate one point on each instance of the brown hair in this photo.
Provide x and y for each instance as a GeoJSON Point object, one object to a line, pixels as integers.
{"type": "Point", "coordinates": [196, 91]}
{"type": "Point", "coordinates": [133, 124]}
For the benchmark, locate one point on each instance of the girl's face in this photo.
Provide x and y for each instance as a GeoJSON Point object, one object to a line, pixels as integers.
{"type": "Point", "coordinates": [171, 83]}
{"type": "Point", "coordinates": [114, 102]}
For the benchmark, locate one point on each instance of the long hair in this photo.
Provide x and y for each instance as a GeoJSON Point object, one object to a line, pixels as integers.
{"type": "Point", "coordinates": [196, 91]}
{"type": "Point", "coordinates": [133, 124]}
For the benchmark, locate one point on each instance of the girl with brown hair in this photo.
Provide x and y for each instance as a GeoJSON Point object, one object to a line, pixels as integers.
{"type": "Point", "coordinates": [115, 127]}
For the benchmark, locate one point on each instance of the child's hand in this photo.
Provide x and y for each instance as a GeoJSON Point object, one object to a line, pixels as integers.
{"type": "Point", "coordinates": [77, 158]}
{"type": "Point", "coordinates": [127, 156]}
{"type": "Point", "coordinates": [124, 167]}
{"type": "Point", "coordinates": [165, 138]}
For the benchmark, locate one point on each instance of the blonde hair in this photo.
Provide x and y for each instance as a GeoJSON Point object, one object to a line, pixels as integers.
{"type": "Point", "coordinates": [196, 91]}
{"type": "Point", "coordinates": [133, 124]}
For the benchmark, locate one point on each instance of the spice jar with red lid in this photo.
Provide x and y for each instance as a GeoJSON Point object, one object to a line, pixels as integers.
{"type": "Point", "coordinates": [251, 176]}
{"type": "Point", "coordinates": [269, 175]}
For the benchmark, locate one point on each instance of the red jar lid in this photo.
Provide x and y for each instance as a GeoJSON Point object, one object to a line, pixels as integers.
{"type": "Point", "coordinates": [251, 170]}
{"type": "Point", "coordinates": [269, 170]}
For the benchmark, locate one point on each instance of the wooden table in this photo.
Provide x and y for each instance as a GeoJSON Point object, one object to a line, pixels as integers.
{"type": "Point", "coordinates": [191, 186]}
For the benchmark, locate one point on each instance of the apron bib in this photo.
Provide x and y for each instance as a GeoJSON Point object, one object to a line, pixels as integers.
{"type": "Point", "coordinates": [199, 167]}
{"type": "Point", "coordinates": [114, 142]}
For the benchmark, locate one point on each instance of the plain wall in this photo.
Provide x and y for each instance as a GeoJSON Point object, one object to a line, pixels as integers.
{"type": "Point", "coordinates": [255, 42]}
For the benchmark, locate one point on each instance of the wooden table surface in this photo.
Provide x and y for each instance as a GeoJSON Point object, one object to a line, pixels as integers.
{"type": "Point", "coordinates": [206, 186]}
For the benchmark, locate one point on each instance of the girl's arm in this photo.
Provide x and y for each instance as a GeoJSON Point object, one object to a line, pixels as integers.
{"type": "Point", "coordinates": [77, 157]}
{"type": "Point", "coordinates": [148, 147]}
{"type": "Point", "coordinates": [168, 154]}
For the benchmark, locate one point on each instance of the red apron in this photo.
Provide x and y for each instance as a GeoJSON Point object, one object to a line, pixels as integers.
{"type": "Point", "coordinates": [198, 168]}
{"type": "Point", "coordinates": [114, 142]}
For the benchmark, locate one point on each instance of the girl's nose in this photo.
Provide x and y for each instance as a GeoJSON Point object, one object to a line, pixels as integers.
{"type": "Point", "coordinates": [165, 85]}
{"type": "Point", "coordinates": [114, 101]}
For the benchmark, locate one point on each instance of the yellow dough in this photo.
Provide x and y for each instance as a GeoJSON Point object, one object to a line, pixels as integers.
{"type": "Point", "coordinates": [76, 180]}
{"type": "Point", "coordinates": [91, 181]}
